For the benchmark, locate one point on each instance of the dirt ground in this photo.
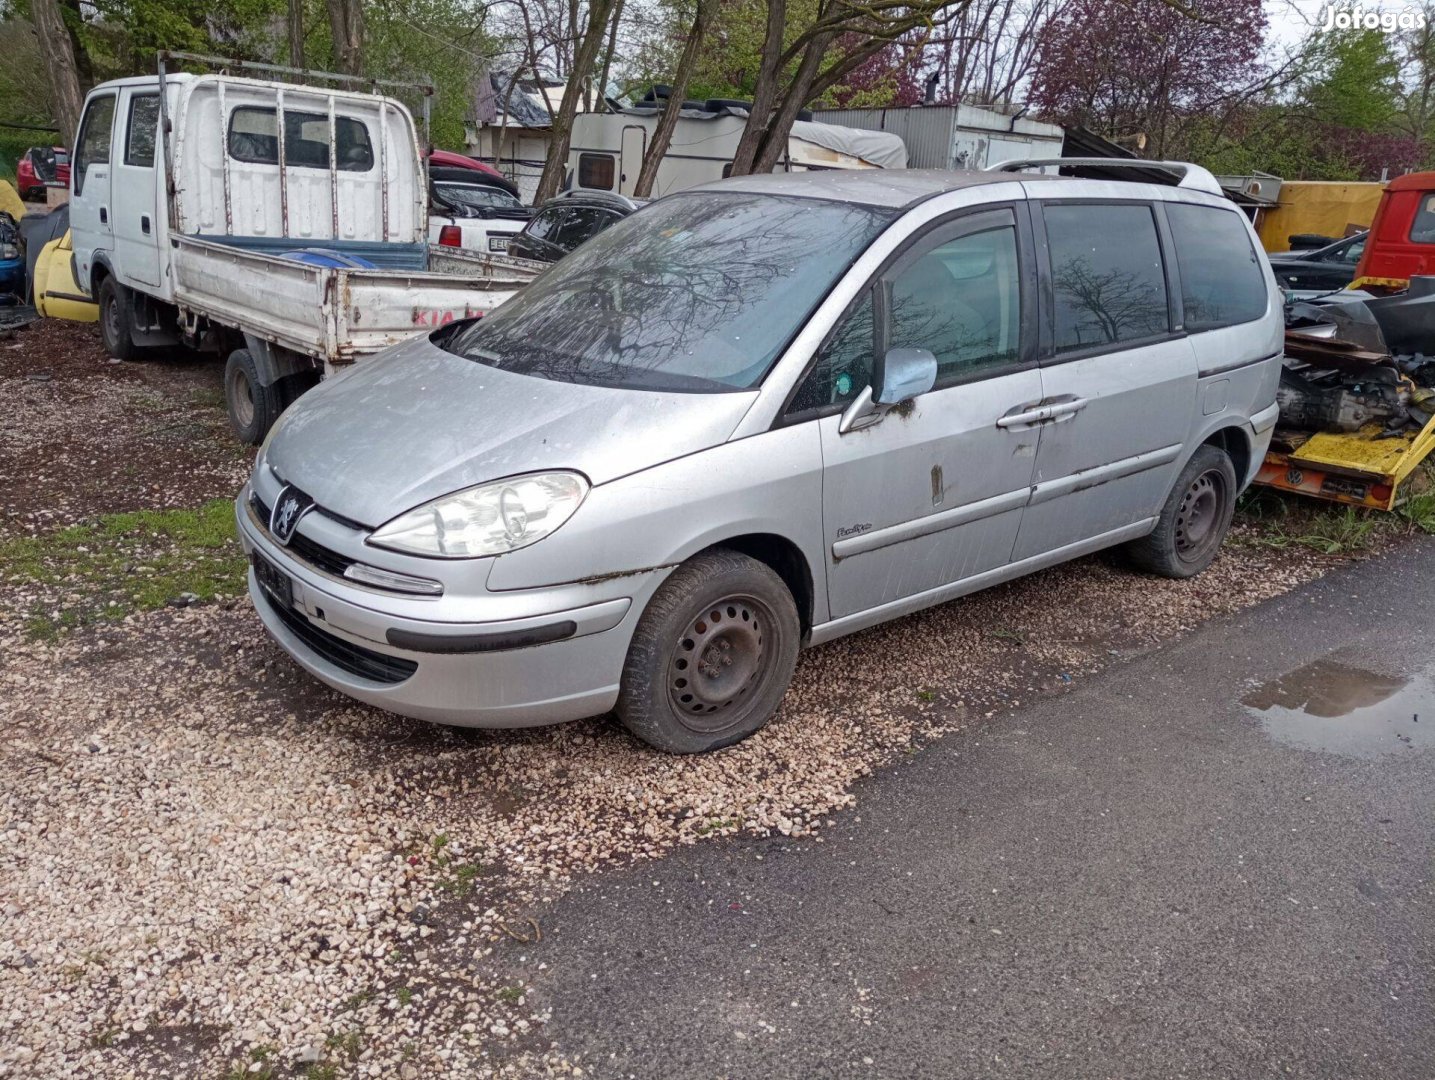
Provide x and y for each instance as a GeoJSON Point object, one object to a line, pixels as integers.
{"type": "Point", "coordinates": [210, 865]}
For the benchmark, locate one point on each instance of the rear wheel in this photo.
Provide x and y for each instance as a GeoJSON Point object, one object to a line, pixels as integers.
{"type": "Point", "coordinates": [712, 655]}
{"type": "Point", "coordinates": [116, 320]}
{"type": "Point", "coordinates": [1194, 520]}
{"type": "Point", "coordinates": [253, 407]}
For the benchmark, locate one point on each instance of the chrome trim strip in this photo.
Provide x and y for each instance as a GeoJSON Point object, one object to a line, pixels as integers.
{"type": "Point", "coordinates": [1103, 474]}
{"type": "Point", "coordinates": [925, 526]}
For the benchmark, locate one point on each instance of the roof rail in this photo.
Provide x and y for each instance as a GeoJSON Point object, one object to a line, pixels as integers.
{"type": "Point", "coordinates": [1189, 176]}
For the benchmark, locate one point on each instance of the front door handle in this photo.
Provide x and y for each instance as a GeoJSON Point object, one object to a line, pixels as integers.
{"type": "Point", "coordinates": [144, 224]}
{"type": "Point", "coordinates": [1066, 407]}
{"type": "Point", "coordinates": [104, 215]}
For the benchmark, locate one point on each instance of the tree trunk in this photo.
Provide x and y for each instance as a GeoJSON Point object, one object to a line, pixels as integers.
{"type": "Point", "coordinates": [606, 71]}
{"type": "Point", "coordinates": [764, 91]}
{"type": "Point", "coordinates": [663, 134]}
{"type": "Point", "coordinates": [774, 142]}
{"type": "Point", "coordinates": [599, 12]}
{"type": "Point", "coordinates": [64, 77]}
{"type": "Point", "coordinates": [346, 26]}
{"type": "Point", "coordinates": [296, 33]}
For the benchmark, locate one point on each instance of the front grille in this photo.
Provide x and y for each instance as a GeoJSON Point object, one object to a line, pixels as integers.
{"type": "Point", "coordinates": [344, 655]}
{"type": "Point", "coordinates": [304, 549]}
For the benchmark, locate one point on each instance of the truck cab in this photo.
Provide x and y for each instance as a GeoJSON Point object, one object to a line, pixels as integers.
{"type": "Point", "coordinates": [1402, 236]}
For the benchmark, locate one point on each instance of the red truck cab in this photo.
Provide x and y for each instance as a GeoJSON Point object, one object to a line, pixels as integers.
{"type": "Point", "coordinates": [1402, 236]}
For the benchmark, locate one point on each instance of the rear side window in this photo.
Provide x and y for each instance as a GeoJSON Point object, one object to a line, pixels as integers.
{"type": "Point", "coordinates": [1422, 229]}
{"type": "Point", "coordinates": [583, 223]}
{"type": "Point", "coordinates": [595, 171]}
{"type": "Point", "coordinates": [140, 133]}
{"type": "Point", "coordinates": [545, 223]}
{"type": "Point", "coordinates": [253, 137]}
{"type": "Point", "coordinates": [93, 145]}
{"type": "Point", "coordinates": [1221, 279]}
{"type": "Point", "coordinates": [1107, 275]}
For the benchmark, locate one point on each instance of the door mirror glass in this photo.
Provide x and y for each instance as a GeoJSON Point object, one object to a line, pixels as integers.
{"type": "Point", "coordinates": [906, 373]}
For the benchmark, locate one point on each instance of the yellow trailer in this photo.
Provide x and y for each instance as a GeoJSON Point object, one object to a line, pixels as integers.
{"type": "Point", "coordinates": [1367, 468]}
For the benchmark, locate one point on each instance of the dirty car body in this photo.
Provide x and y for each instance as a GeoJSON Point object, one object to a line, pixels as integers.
{"type": "Point", "coordinates": [853, 385]}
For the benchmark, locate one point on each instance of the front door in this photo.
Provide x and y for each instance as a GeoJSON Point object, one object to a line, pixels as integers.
{"type": "Point", "coordinates": [90, 186]}
{"type": "Point", "coordinates": [133, 198]}
{"type": "Point", "coordinates": [630, 164]}
{"type": "Point", "coordinates": [1120, 381]}
{"type": "Point", "coordinates": [934, 492]}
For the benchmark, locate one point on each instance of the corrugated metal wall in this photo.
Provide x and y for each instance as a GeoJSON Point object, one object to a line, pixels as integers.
{"type": "Point", "coordinates": [928, 133]}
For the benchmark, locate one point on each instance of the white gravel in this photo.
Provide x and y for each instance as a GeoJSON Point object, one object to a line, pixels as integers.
{"type": "Point", "coordinates": [208, 861]}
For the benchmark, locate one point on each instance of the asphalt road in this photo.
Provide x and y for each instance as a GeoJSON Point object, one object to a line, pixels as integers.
{"type": "Point", "coordinates": [1139, 878]}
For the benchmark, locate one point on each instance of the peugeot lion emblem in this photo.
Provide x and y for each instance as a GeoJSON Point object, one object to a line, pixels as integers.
{"type": "Point", "coordinates": [291, 505]}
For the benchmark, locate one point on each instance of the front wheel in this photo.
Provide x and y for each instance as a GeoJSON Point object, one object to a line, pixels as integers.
{"type": "Point", "coordinates": [1194, 520]}
{"type": "Point", "coordinates": [712, 655]}
{"type": "Point", "coordinates": [116, 320]}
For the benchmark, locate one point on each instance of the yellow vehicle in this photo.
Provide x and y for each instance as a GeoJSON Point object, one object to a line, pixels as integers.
{"type": "Point", "coordinates": [56, 294]}
{"type": "Point", "coordinates": [1361, 468]}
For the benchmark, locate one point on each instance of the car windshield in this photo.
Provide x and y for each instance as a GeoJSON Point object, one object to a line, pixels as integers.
{"type": "Point", "coordinates": [475, 196]}
{"type": "Point", "coordinates": [697, 292]}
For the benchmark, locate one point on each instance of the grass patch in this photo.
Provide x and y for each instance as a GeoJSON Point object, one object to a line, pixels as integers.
{"type": "Point", "coordinates": [1282, 523]}
{"type": "Point", "coordinates": [123, 563]}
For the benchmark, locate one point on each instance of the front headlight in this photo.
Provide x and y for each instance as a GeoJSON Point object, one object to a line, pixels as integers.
{"type": "Point", "coordinates": [486, 520]}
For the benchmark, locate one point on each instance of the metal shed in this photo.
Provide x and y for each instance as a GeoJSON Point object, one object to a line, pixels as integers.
{"type": "Point", "coordinates": [957, 136]}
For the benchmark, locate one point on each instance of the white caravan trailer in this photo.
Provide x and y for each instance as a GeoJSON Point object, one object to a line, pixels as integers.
{"type": "Point", "coordinates": [607, 149]}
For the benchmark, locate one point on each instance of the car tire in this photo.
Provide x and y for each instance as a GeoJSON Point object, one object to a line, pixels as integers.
{"type": "Point", "coordinates": [1194, 520]}
{"type": "Point", "coordinates": [712, 655]}
{"type": "Point", "coordinates": [252, 407]}
{"type": "Point", "coordinates": [117, 320]}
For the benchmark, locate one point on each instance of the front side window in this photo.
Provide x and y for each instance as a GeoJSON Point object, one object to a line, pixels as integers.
{"type": "Point", "coordinates": [254, 137]}
{"type": "Point", "coordinates": [595, 171]}
{"type": "Point", "coordinates": [1422, 229]}
{"type": "Point", "coordinates": [1107, 274]}
{"type": "Point", "coordinates": [694, 293]}
{"type": "Point", "coordinates": [1222, 283]}
{"type": "Point", "coordinates": [140, 133]}
{"type": "Point", "coordinates": [844, 364]}
{"type": "Point", "coordinates": [960, 300]}
{"type": "Point", "coordinates": [93, 145]}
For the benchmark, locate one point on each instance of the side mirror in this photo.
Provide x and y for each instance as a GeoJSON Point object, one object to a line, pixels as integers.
{"type": "Point", "coordinates": [906, 373]}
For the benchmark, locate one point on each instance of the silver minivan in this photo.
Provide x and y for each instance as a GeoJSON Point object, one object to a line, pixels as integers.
{"type": "Point", "coordinates": [759, 415]}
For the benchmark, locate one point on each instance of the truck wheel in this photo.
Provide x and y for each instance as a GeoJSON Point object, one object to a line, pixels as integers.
{"type": "Point", "coordinates": [1194, 520]}
{"type": "Point", "coordinates": [712, 655]}
{"type": "Point", "coordinates": [115, 321]}
{"type": "Point", "coordinates": [253, 407]}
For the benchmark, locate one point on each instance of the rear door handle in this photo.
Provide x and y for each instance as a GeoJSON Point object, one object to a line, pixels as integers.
{"type": "Point", "coordinates": [144, 224]}
{"type": "Point", "coordinates": [1054, 409]}
{"type": "Point", "coordinates": [1066, 408]}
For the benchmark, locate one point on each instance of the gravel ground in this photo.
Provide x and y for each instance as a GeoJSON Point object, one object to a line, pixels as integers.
{"type": "Point", "coordinates": [212, 866]}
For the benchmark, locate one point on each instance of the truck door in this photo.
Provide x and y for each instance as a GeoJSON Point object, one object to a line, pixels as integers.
{"type": "Point", "coordinates": [135, 220]}
{"type": "Point", "coordinates": [90, 186]}
{"type": "Point", "coordinates": [635, 142]}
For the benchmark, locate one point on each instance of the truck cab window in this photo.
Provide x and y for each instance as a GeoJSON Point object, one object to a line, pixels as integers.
{"type": "Point", "coordinates": [253, 137]}
{"type": "Point", "coordinates": [140, 131]}
{"type": "Point", "coordinates": [1422, 229]}
{"type": "Point", "coordinates": [93, 145]}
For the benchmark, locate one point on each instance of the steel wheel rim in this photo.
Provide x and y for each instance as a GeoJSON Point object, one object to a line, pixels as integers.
{"type": "Point", "coordinates": [719, 660]}
{"type": "Point", "coordinates": [112, 322]}
{"type": "Point", "coordinates": [242, 396]}
{"type": "Point", "coordinates": [1199, 515]}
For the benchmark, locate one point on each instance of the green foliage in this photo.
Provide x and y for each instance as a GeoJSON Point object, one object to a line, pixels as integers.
{"type": "Point", "coordinates": [1354, 81]}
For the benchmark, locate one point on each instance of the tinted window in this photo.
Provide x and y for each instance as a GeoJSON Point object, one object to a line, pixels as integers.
{"type": "Point", "coordinates": [961, 301]}
{"type": "Point", "coordinates": [93, 145]}
{"type": "Point", "coordinates": [140, 134]}
{"type": "Point", "coordinates": [545, 223]}
{"type": "Point", "coordinates": [1422, 229]}
{"type": "Point", "coordinates": [582, 223]}
{"type": "Point", "coordinates": [1107, 274]}
{"type": "Point", "coordinates": [844, 364]}
{"type": "Point", "coordinates": [1221, 279]}
{"type": "Point", "coordinates": [474, 198]}
{"type": "Point", "coordinates": [253, 137]}
{"type": "Point", "coordinates": [695, 292]}
{"type": "Point", "coordinates": [595, 171]}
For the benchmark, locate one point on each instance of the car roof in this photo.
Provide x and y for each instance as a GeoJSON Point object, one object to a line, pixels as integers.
{"type": "Point", "coordinates": [609, 199]}
{"type": "Point", "coordinates": [875, 187]}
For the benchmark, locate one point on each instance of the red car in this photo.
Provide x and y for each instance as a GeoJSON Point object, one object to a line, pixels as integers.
{"type": "Point", "coordinates": [447, 159]}
{"type": "Point", "coordinates": [39, 167]}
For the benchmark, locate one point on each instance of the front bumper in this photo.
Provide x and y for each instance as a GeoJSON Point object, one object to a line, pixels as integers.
{"type": "Point", "coordinates": [474, 672]}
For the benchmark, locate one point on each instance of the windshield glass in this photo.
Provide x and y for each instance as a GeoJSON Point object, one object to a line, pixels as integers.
{"type": "Point", "coordinates": [474, 196]}
{"type": "Point", "coordinates": [696, 292]}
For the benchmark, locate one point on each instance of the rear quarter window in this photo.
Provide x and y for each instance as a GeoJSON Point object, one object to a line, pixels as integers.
{"type": "Point", "coordinates": [1222, 283]}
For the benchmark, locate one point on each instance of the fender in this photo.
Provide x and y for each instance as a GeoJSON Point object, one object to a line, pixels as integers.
{"type": "Point", "coordinates": [274, 362]}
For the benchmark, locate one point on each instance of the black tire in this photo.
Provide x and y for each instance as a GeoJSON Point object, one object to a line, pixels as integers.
{"type": "Point", "coordinates": [1194, 521]}
{"type": "Point", "coordinates": [732, 669]}
{"type": "Point", "coordinates": [116, 320]}
{"type": "Point", "coordinates": [253, 407]}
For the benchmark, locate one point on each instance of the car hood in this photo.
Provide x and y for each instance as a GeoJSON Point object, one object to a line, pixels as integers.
{"type": "Point", "coordinates": [418, 422]}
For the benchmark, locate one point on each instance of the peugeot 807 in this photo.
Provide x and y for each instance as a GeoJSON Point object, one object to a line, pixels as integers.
{"type": "Point", "coordinates": [759, 415]}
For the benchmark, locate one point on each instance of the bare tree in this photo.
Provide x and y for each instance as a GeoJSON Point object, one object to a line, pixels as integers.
{"type": "Point", "coordinates": [296, 33]}
{"type": "Point", "coordinates": [663, 133]}
{"type": "Point", "coordinates": [65, 95]}
{"type": "Point", "coordinates": [346, 26]}
{"type": "Point", "coordinates": [595, 30]}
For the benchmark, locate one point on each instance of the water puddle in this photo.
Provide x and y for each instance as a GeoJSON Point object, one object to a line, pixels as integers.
{"type": "Point", "coordinates": [1332, 706]}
